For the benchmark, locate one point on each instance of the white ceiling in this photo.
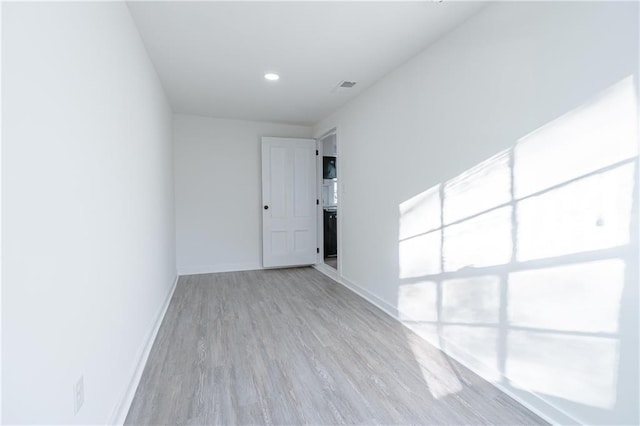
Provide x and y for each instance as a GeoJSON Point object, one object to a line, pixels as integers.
{"type": "Point", "coordinates": [211, 56]}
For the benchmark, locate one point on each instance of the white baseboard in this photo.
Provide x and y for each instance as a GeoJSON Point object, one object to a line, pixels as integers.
{"type": "Point", "coordinates": [212, 269]}
{"type": "Point", "coordinates": [121, 410]}
{"type": "Point", "coordinates": [388, 308]}
{"type": "Point", "coordinates": [370, 297]}
{"type": "Point", "coordinates": [327, 270]}
{"type": "Point", "coordinates": [528, 399]}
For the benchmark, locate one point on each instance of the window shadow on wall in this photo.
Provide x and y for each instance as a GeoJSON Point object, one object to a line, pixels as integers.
{"type": "Point", "coordinates": [529, 260]}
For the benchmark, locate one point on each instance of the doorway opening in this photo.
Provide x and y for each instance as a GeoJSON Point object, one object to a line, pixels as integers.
{"type": "Point", "coordinates": [329, 175]}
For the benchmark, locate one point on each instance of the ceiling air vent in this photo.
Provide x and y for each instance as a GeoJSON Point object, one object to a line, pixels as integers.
{"type": "Point", "coordinates": [346, 84]}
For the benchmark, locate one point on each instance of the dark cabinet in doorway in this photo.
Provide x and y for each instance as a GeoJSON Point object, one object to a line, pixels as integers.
{"type": "Point", "coordinates": [330, 233]}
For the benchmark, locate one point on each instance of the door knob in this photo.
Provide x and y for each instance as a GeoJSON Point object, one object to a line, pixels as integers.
{"type": "Point", "coordinates": [266, 207]}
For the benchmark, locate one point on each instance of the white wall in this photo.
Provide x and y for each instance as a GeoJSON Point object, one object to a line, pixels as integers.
{"type": "Point", "coordinates": [218, 191]}
{"type": "Point", "coordinates": [540, 295]}
{"type": "Point", "coordinates": [88, 244]}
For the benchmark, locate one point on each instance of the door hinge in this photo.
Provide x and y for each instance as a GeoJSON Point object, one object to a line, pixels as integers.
{"type": "Point", "coordinates": [317, 202]}
{"type": "Point", "coordinates": [318, 250]}
{"type": "Point", "coordinates": [316, 152]}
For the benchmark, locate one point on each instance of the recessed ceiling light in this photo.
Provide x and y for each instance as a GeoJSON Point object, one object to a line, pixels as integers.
{"type": "Point", "coordinates": [271, 76]}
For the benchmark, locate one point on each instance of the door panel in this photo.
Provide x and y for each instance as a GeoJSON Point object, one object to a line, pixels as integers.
{"type": "Point", "coordinates": [288, 191]}
{"type": "Point", "coordinates": [278, 188]}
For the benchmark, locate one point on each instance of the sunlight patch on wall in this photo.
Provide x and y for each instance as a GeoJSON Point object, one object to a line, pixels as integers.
{"type": "Point", "coordinates": [581, 369]}
{"type": "Point", "coordinates": [484, 240]}
{"type": "Point", "coordinates": [420, 255]}
{"type": "Point", "coordinates": [522, 261]}
{"type": "Point", "coordinates": [418, 301]}
{"type": "Point", "coordinates": [420, 214]}
{"type": "Point", "coordinates": [584, 297]}
{"type": "Point", "coordinates": [589, 214]}
{"type": "Point", "coordinates": [472, 300]}
{"type": "Point", "coordinates": [481, 188]}
{"type": "Point", "coordinates": [601, 132]}
{"type": "Point", "coordinates": [482, 342]}
{"type": "Point", "coordinates": [425, 329]}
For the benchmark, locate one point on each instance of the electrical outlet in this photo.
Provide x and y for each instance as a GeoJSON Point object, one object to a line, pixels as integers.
{"type": "Point", "coordinates": [78, 395]}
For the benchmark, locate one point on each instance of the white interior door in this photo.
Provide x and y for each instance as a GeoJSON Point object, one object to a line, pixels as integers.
{"type": "Point", "coordinates": [289, 202]}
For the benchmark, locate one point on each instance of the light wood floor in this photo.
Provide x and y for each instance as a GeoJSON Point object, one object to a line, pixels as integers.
{"type": "Point", "coordinates": [291, 347]}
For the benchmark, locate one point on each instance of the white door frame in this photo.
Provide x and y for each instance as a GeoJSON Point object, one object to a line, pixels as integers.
{"type": "Point", "coordinates": [320, 206]}
{"type": "Point", "coordinates": [319, 145]}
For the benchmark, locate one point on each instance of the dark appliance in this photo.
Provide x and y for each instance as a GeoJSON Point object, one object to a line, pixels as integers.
{"type": "Point", "coordinates": [330, 233]}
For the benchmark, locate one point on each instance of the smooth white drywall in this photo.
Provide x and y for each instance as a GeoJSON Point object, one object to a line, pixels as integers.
{"type": "Point", "coordinates": [88, 250]}
{"type": "Point", "coordinates": [218, 191]}
{"type": "Point", "coordinates": [561, 330]}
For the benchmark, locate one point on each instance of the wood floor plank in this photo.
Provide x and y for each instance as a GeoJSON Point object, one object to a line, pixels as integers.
{"type": "Point", "coordinates": [291, 346]}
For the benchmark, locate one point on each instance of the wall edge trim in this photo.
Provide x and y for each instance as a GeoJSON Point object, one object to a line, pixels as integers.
{"type": "Point", "coordinates": [120, 411]}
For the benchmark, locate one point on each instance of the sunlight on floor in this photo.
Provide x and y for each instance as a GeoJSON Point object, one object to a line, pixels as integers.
{"type": "Point", "coordinates": [438, 374]}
